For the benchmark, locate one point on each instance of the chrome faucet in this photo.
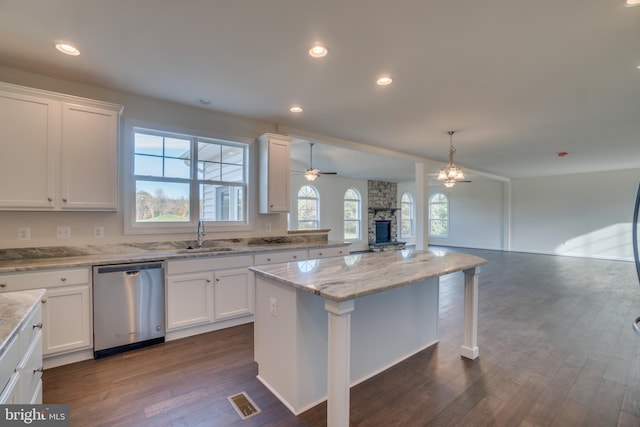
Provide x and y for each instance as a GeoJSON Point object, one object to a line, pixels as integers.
{"type": "Point", "coordinates": [201, 233]}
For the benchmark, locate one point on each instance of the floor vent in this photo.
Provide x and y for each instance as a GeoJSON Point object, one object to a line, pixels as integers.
{"type": "Point", "coordinates": [244, 406]}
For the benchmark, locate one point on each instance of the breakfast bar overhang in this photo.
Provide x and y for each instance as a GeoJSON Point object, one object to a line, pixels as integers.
{"type": "Point", "coordinates": [323, 325]}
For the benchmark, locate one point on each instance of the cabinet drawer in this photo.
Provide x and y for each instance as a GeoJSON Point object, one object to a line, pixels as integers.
{"type": "Point", "coordinates": [30, 369]}
{"type": "Point", "coordinates": [30, 327]}
{"type": "Point", "coordinates": [9, 395]}
{"type": "Point", "coordinates": [9, 360]}
{"type": "Point", "coordinates": [43, 279]}
{"type": "Point", "coordinates": [277, 257]}
{"type": "Point", "coordinates": [328, 252]}
{"type": "Point", "coordinates": [208, 264]}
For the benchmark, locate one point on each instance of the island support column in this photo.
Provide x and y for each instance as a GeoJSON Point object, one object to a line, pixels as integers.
{"type": "Point", "coordinates": [470, 348]}
{"type": "Point", "coordinates": [339, 360]}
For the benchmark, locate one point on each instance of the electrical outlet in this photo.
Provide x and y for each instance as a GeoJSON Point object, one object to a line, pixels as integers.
{"type": "Point", "coordinates": [273, 307]}
{"type": "Point", "coordinates": [267, 227]}
{"type": "Point", "coordinates": [98, 231]}
{"type": "Point", "coordinates": [24, 233]}
{"type": "Point", "coordinates": [63, 232]}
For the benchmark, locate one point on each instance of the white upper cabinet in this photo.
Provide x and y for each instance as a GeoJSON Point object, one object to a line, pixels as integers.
{"type": "Point", "coordinates": [89, 177]}
{"type": "Point", "coordinates": [59, 152]}
{"type": "Point", "coordinates": [275, 160]}
{"type": "Point", "coordinates": [29, 131]}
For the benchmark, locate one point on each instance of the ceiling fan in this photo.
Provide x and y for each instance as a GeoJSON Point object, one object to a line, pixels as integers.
{"type": "Point", "coordinates": [311, 174]}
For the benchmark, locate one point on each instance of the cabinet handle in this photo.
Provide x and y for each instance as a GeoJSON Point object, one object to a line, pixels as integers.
{"type": "Point", "coordinates": [43, 300]}
{"type": "Point", "coordinates": [63, 279]}
{"type": "Point", "coordinates": [40, 369]}
{"type": "Point", "coordinates": [340, 252]}
{"type": "Point", "coordinates": [319, 253]}
{"type": "Point", "coordinates": [37, 325]}
{"type": "Point", "coordinates": [295, 256]}
{"type": "Point", "coordinates": [64, 200]}
{"type": "Point", "coordinates": [49, 199]}
{"type": "Point", "coordinates": [270, 206]}
{"type": "Point", "coordinates": [217, 279]}
{"type": "Point", "coordinates": [208, 281]}
{"type": "Point", "coordinates": [268, 259]}
{"type": "Point", "coordinates": [3, 285]}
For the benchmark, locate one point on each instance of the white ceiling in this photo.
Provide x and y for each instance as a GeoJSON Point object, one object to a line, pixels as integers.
{"type": "Point", "coordinates": [518, 80]}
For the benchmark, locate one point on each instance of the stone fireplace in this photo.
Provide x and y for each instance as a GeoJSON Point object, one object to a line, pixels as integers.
{"type": "Point", "coordinates": [383, 216]}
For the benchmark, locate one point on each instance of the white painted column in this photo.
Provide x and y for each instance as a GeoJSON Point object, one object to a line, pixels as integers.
{"type": "Point", "coordinates": [421, 206]}
{"type": "Point", "coordinates": [338, 375]}
{"type": "Point", "coordinates": [470, 348]}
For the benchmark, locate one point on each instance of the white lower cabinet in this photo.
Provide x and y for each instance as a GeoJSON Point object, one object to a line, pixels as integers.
{"type": "Point", "coordinates": [233, 294]}
{"type": "Point", "coordinates": [66, 309]}
{"type": "Point", "coordinates": [203, 292]}
{"type": "Point", "coordinates": [67, 319]}
{"type": "Point", "coordinates": [189, 300]}
{"type": "Point", "coordinates": [21, 362]}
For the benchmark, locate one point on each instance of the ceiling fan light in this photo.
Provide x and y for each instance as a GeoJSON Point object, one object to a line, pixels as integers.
{"type": "Point", "coordinates": [310, 176]}
{"type": "Point", "coordinates": [450, 183]}
{"type": "Point", "coordinates": [459, 174]}
{"type": "Point", "coordinates": [442, 175]}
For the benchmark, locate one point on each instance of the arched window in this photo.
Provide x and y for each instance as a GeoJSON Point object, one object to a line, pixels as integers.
{"type": "Point", "coordinates": [439, 215]}
{"type": "Point", "coordinates": [352, 209]}
{"type": "Point", "coordinates": [407, 228]}
{"type": "Point", "coordinates": [308, 208]}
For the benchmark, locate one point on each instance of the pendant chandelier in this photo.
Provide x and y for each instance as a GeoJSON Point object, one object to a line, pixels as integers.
{"type": "Point", "coordinates": [451, 173]}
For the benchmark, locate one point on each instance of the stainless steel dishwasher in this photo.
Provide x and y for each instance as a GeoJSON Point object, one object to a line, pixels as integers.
{"type": "Point", "coordinates": [128, 307]}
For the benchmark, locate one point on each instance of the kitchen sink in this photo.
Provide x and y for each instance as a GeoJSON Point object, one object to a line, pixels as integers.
{"type": "Point", "coordinates": [204, 249]}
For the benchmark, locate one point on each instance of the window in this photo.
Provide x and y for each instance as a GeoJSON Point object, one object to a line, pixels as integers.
{"type": "Point", "coordinates": [439, 215]}
{"type": "Point", "coordinates": [179, 179]}
{"type": "Point", "coordinates": [308, 208]}
{"type": "Point", "coordinates": [407, 228]}
{"type": "Point", "coordinates": [352, 204]}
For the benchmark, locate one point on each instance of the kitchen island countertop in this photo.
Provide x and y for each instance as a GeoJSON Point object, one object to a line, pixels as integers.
{"type": "Point", "coordinates": [15, 307]}
{"type": "Point", "coordinates": [357, 275]}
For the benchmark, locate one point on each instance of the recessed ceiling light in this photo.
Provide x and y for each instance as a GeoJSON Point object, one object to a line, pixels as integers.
{"type": "Point", "coordinates": [632, 3]}
{"type": "Point", "coordinates": [295, 109]}
{"type": "Point", "coordinates": [318, 51]}
{"type": "Point", "coordinates": [67, 49]}
{"type": "Point", "coordinates": [384, 81]}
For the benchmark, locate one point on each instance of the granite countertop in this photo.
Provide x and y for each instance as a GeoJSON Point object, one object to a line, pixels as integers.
{"type": "Point", "coordinates": [13, 260]}
{"type": "Point", "coordinates": [357, 275]}
{"type": "Point", "coordinates": [14, 309]}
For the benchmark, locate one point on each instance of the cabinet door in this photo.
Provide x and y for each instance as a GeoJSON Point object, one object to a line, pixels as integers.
{"type": "Point", "coordinates": [275, 158]}
{"type": "Point", "coordinates": [89, 168]}
{"type": "Point", "coordinates": [66, 315]}
{"type": "Point", "coordinates": [233, 293]}
{"type": "Point", "coordinates": [29, 131]}
{"type": "Point", "coordinates": [189, 300]}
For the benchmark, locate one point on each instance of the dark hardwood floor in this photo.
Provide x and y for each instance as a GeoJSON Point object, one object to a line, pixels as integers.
{"type": "Point", "coordinates": [556, 349]}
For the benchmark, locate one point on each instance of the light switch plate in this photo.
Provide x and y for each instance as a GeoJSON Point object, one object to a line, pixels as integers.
{"type": "Point", "coordinates": [98, 231]}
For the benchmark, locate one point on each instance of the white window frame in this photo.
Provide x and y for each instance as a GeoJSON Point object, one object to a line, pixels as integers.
{"type": "Point", "coordinates": [412, 216]}
{"type": "Point", "coordinates": [131, 226]}
{"type": "Point", "coordinates": [431, 220]}
{"type": "Point", "coordinates": [298, 198]}
{"type": "Point", "coordinates": [358, 219]}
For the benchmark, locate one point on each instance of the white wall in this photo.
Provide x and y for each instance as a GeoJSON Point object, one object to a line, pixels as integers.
{"type": "Point", "coordinates": [201, 121]}
{"type": "Point", "coordinates": [332, 189]}
{"type": "Point", "coordinates": [477, 214]}
{"type": "Point", "coordinates": [587, 215]}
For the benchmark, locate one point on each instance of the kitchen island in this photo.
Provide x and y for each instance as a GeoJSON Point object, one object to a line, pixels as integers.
{"type": "Point", "coordinates": [324, 325]}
